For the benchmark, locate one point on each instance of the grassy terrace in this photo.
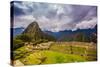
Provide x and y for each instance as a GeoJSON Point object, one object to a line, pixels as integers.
{"type": "Point", "coordinates": [59, 52]}
{"type": "Point", "coordinates": [48, 57]}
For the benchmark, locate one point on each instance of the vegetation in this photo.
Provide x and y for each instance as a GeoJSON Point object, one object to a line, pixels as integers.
{"type": "Point", "coordinates": [51, 57]}
{"type": "Point", "coordinates": [77, 48]}
{"type": "Point", "coordinates": [20, 53]}
{"type": "Point", "coordinates": [78, 36]}
{"type": "Point", "coordinates": [24, 37]}
{"type": "Point", "coordinates": [17, 43]}
{"type": "Point", "coordinates": [59, 52]}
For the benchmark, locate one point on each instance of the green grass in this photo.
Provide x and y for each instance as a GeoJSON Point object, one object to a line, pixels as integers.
{"type": "Point", "coordinates": [58, 53]}
{"type": "Point", "coordinates": [58, 57]}
{"type": "Point", "coordinates": [51, 58]}
{"type": "Point", "coordinates": [78, 50]}
{"type": "Point", "coordinates": [67, 49]}
{"type": "Point", "coordinates": [20, 53]}
{"type": "Point", "coordinates": [89, 54]}
{"type": "Point", "coordinates": [60, 48]}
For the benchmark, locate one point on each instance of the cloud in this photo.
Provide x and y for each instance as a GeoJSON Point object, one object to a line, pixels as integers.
{"type": "Point", "coordinates": [55, 17]}
{"type": "Point", "coordinates": [87, 24]}
{"type": "Point", "coordinates": [23, 20]}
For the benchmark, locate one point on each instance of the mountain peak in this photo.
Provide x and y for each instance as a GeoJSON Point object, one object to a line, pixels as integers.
{"type": "Point", "coordinates": [34, 23]}
{"type": "Point", "coordinates": [33, 29]}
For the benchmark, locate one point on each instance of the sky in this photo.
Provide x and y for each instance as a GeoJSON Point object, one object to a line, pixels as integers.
{"type": "Point", "coordinates": [54, 17]}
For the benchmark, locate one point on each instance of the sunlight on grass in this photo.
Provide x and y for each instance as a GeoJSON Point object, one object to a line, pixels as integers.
{"type": "Point", "coordinates": [51, 57]}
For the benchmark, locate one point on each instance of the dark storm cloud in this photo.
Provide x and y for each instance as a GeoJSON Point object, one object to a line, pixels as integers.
{"type": "Point", "coordinates": [79, 12]}
{"type": "Point", "coordinates": [15, 9]}
{"type": "Point", "coordinates": [55, 17]}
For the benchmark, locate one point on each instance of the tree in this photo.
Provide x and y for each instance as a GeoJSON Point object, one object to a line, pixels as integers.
{"type": "Point", "coordinates": [80, 37]}
{"type": "Point", "coordinates": [17, 43]}
{"type": "Point", "coordinates": [24, 38]}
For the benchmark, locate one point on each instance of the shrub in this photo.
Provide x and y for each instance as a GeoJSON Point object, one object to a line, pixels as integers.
{"type": "Point", "coordinates": [24, 37]}
{"type": "Point", "coordinates": [17, 43]}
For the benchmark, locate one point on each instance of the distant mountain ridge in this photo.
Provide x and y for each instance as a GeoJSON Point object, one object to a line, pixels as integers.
{"type": "Point", "coordinates": [18, 31]}
{"type": "Point", "coordinates": [67, 35]}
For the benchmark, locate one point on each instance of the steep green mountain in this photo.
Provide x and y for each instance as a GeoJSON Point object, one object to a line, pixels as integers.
{"type": "Point", "coordinates": [33, 30]}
